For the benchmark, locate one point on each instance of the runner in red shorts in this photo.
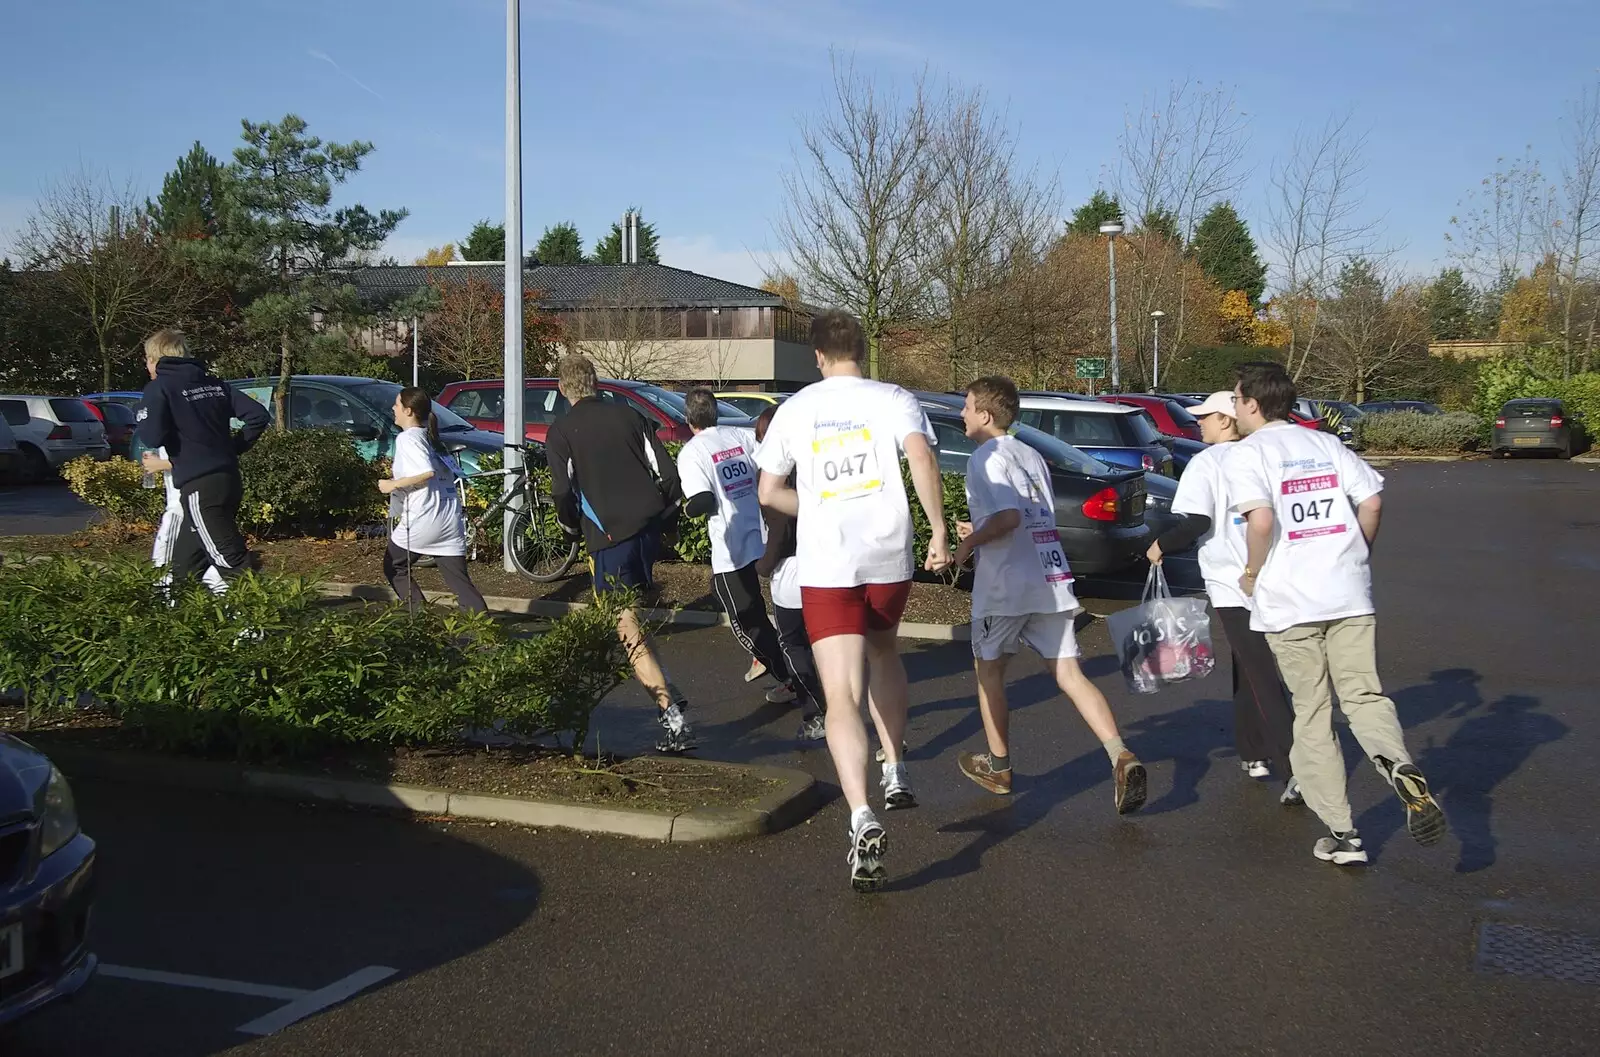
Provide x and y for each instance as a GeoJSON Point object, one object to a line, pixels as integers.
{"type": "Point", "coordinates": [843, 438]}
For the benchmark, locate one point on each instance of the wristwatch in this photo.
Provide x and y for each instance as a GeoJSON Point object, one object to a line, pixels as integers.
{"type": "Point", "coordinates": [1249, 573]}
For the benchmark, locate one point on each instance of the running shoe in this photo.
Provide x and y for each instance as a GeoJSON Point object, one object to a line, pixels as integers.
{"type": "Point", "coordinates": [780, 695]}
{"type": "Point", "coordinates": [896, 786]}
{"type": "Point", "coordinates": [867, 847]}
{"type": "Point", "coordinates": [883, 756]}
{"type": "Point", "coordinates": [1131, 783]}
{"type": "Point", "coordinates": [1292, 796]}
{"type": "Point", "coordinates": [1341, 849]}
{"type": "Point", "coordinates": [979, 766]}
{"type": "Point", "coordinates": [676, 734]}
{"type": "Point", "coordinates": [1256, 768]}
{"type": "Point", "coordinates": [757, 670]}
{"type": "Point", "coordinates": [814, 727]}
{"type": "Point", "coordinates": [1424, 818]}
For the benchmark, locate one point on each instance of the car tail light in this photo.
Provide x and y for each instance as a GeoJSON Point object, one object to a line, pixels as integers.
{"type": "Point", "coordinates": [1555, 421]}
{"type": "Point", "coordinates": [1103, 505]}
{"type": "Point", "coordinates": [1147, 463]}
{"type": "Point", "coordinates": [1500, 423]}
{"type": "Point", "coordinates": [60, 433]}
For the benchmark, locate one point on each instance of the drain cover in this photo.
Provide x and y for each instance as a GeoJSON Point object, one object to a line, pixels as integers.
{"type": "Point", "coordinates": [1522, 950]}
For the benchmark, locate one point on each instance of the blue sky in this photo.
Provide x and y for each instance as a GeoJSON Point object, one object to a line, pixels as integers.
{"type": "Point", "coordinates": [688, 107]}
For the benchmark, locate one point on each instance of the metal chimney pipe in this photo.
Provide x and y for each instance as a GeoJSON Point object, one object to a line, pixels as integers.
{"type": "Point", "coordinates": [622, 244]}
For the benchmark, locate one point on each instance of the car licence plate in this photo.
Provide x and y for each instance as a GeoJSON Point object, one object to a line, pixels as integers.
{"type": "Point", "coordinates": [10, 950]}
{"type": "Point", "coordinates": [1525, 440]}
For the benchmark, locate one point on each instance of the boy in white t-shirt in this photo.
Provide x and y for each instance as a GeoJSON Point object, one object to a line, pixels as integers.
{"type": "Point", "coordinates": [842, 438]}
{"type": "Point", "coordinates": [171, 521]}
{"type": "Point", "coordinates": [1312, 509]}
{"type": "Point", "coordinates": [1022, 590]}
{"type": "Point", "coordinates": [717, 469]}
{"type": "Point", "coordinates": [1263, 719]}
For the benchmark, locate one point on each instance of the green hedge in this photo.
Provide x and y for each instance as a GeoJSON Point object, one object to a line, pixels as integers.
{"type": "Point", "coordinates": [1408, 431]}
{"type": "Point", "coordinates": [1509, 378]}
{"type": "Point", "coordinates": [303, 482]}
{"type": "Point", "coordinates": [266, 672]}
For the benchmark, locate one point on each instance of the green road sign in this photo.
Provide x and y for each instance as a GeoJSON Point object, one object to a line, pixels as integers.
{"type": "Point", "coordinates": [1090, 367]}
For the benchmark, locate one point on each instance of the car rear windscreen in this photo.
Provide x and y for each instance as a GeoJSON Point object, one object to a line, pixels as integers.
{"type": "Point", "coordinates": [1140, 429]}
{"type": "Point", "coordinates": [119, 414]}
{"type": "Point", "coordinates": [1533, 410]}
{"type": "Point", "coordinates": [72, 411]}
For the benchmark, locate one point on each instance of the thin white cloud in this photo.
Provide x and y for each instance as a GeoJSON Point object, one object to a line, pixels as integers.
{"type": "Point", "coordinates": [322, 56]}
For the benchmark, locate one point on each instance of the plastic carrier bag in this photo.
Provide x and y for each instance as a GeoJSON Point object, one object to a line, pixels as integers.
{"type": "Point", "coordinates": [1163, 639]}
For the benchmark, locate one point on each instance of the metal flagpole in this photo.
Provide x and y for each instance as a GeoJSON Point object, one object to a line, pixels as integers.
{"type": "Point", "coordinates": [513, 279]}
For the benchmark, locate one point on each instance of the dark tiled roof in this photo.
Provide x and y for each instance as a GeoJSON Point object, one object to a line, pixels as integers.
{"type": "Point", "coordinates": [574, 285]}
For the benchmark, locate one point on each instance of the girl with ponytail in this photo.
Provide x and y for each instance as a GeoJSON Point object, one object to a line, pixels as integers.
{"type": "Point", "coordinates": [425, 506]}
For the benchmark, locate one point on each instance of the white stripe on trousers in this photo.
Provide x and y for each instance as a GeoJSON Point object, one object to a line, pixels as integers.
{"type": "Point", "coordinates": [739, 633]}
{"type": "Point", "coordinates": [205, 536]}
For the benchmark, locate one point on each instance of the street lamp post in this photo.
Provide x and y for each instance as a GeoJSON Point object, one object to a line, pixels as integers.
{"type": "Point", "coordinates": [1155, 381]}
{"type": "Point", "coordinates": [1111, 229]}
{"type": "Point", "coordinates": [513, 279]}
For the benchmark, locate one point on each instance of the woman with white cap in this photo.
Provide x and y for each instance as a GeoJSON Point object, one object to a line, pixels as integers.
{"type": "Point", "coordinates": [1263, 721]}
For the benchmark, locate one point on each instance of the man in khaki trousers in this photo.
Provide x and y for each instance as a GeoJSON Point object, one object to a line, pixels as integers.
{"type": "Point", "coordinates": [1312, 510]}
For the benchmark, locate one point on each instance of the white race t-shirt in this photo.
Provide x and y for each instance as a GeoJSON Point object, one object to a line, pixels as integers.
{"type": "Point", "coordinates": [1203, 489]}
{"type": "Point", "coordinates": [1318, 566]}
{"type": "Point", "coordinates": [428, 518]}
{"type": "Point", "coordinates": [1026, 572]}
{"type": "Point", "coordinates": [721, 460]}
{"type": "Point", "coordinates": [843, 437]}
{"type": "Point", "coordinates": [786, 584]}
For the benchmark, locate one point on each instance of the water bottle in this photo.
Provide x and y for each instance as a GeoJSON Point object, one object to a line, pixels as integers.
{"type": "Point", "coordinates": [151, 480]}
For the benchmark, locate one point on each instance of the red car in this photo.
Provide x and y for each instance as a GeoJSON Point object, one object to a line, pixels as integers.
{"type": "Point", "coordinates": [1171, 415]}
{"type": "Point", "coordinates": [482, 403]}
{"type": "Point", "coordinates": [120, 423]}
{"type": "Point", "coordinates": [1188, 400]}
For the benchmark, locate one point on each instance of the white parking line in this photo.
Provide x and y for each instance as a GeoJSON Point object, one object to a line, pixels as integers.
{"type": "Point", "coordinates": [204, 983]}
{"type": "Point", "coordinates": [317, 1001]}
{"type": "Point", "coordinates": [300, 1003]}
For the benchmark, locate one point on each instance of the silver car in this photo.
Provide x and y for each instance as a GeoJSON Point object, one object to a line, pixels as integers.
{"type": "Point", "coordinates": [52, 431]}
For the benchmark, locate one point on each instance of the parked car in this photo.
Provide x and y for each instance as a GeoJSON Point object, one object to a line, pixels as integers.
{"type": "Point", "coordinates": [1120, 436]}
{"type": "Point", "coordinates": [482, 403]}
{"type": "Point", "coordinates": [10, 456]}
{"type": "Point", "coordinates": [1171, 416]}
{"type": "Point", "coordinates": [752, 404]}
{"type": "Point", "coordinates": [1536, 424]}
{"type": "Point", "coordinates": [120, 422]}
{"type": "Point", "coordinates": [1421, 407]}
{"type": "Point", "coordinates": [47, 879]}
{"type": "Point", "coordinates": [126, 397]}
{"type": "Point", "coordinates": [52, 431]}
{"type": "Point", "coordinates": [1100, 509]}
{"type": "Point", "coordinates": [363, 408]}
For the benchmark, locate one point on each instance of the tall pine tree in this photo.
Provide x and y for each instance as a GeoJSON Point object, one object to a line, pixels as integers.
{"type": "Point", "coordinates": [1454, 312]}
{"type": "Point", "coordinates": [1087, 218]}
{"type": "Point", "coordinates": [485, 242]}
{"type": "Point", "coordinates": [296, 243]}
{"type": "Point", "coordinates": [561, 244]}
{"type": "Point", "coordinates": [193, 203]}
{"type": "Point", "coordinates": [609, 249]}
{"type": "Point", "coordinates": [1223, 248]}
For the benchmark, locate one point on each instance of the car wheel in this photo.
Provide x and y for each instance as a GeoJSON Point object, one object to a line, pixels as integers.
{"type": "Point", "coordinates": [1565, 451]}
{"type": "Point", "coordinates": [35, 467]}
{"type": "Point", "coordinates": [1498, 453]}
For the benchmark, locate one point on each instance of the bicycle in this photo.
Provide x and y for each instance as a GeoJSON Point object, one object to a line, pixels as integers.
{"type": "Point", "coordinates": [539, 549]}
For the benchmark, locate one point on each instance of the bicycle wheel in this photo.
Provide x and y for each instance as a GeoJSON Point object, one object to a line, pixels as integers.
{"type": "Point", "coordinates": [539, 553]}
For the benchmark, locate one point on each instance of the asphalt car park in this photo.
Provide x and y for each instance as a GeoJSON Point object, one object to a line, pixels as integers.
{"type": "Point", "coordinates": [1200, 926]}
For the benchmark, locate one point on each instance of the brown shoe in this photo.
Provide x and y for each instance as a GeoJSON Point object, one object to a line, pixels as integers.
{"type": "Point", "coordinates": [1131, 783]}
{"type": "Point", "coordinates": [979, 766]}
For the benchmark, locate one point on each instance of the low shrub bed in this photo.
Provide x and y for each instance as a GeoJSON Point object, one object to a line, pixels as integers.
{"type": "Point", "coordinates": [1408, 431]}
{"type": "Point", "coordinates": [266, 672]}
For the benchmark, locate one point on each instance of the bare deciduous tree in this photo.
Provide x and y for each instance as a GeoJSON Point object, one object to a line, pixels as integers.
{"type": "Point", "coordinates": [981, 217]}
{"type": "Point", "coordinates": [1179, 155]}
{"type": "Point", "coordinates": [106, 256]}
{"type": "Point", "coordinates": [1507, 225]}
{"type": "Point", "coordinates": [1580, 200]}
{"type": "Point", "coordinates": [1315, 226]}
{"type": "Point", "coordinates": [854, 200]}
{"type": "Point", "coordinates": [1376, 333]}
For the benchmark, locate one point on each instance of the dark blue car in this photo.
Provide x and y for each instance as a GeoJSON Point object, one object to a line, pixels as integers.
{"type": "Point", "coordinates": [46, 884]}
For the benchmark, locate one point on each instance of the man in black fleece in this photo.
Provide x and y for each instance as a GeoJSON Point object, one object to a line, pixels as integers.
{"type": "Point", "coordinates": [187, 410]}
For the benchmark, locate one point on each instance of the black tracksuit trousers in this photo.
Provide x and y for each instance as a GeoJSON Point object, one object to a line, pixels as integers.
{"type": "Point", "coordinates": [1263, 719]}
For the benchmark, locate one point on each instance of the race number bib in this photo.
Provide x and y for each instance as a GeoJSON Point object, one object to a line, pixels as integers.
{"type": "Point", "coordinates": [735, 476]}
{"type": "Point", "coordinates": [1052, 559]}
{"type": "Point", "coordinates": [844, 465]}
{"type": "Point", "coordinates": [1313, 507]}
